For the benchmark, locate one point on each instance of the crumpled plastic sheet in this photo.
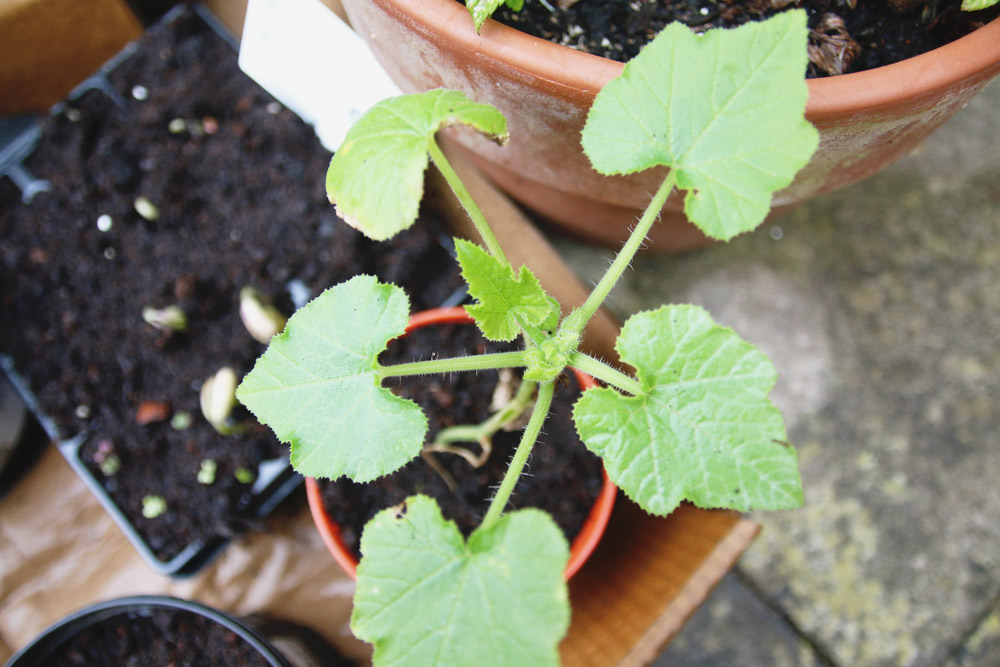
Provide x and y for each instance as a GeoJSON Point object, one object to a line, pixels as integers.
{"type": "Point", "coordinates": [60, 551]}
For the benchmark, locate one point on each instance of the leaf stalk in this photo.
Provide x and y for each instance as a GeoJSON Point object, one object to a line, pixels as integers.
{"type": "Point", "coordinates": [605, 373]}
{"type": "Point", "coordinates": [481, 362]}
{"type": "Point", "coordinates": [625, 256]}
{"type": "Point", "coordinates": [468, 203]}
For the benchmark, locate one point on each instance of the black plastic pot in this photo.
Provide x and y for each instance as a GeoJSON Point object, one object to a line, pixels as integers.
{"type": "Point", "coordinates": [39, 652]}
{"type": "Point", "coordinates": [22, 438]}
{"type": "Point", "coordinates": [275, 480]}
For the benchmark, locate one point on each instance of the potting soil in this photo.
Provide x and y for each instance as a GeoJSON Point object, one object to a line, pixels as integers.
{"type": "Point", "coordinates": [845, 35]}
{"type": "Point", "coordinates": [183, 185]}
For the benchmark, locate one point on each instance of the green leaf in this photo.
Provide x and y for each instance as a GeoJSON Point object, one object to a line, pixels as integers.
{"type": "Point", "coordinates": [503, 299]}
{"type": "Point", "coordinates": [426, 597]}
{"type": "Point", "coordinates": [483, 9]}
{"type": "Point", "coordinates": [977, 5]}
{"type": "Point", "coordinates": [725, 109]}
{"type": "Point", "coordinates": [703, 429]}
{"type": "Point", "coordinates": [376, 178]}
{"type": "Point", "coordinates": [317, 387]}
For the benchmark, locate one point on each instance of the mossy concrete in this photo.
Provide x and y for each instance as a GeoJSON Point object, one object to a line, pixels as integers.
{"type": "Point", "coordinates": [880, 305]}
{"type": "Point", "coordinates": [735, 628]}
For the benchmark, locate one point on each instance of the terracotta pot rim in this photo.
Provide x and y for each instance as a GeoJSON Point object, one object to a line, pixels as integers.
{"type": "Point", "coordinates": [581, 75]}
{"type": "Point", "coordinates": [584, 543]}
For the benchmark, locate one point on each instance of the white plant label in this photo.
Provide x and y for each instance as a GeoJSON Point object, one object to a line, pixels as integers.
{"type": "Point", "coordinates": [310, 60]}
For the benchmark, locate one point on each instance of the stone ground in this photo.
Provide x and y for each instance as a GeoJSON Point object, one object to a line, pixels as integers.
{"type": "Point", "coordinates": [880, 305]}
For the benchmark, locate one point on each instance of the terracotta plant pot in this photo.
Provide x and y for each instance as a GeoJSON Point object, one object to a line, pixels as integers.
{"type": "Point", "coordinates": [582, 546]}
{"type": "Point", "coordinates": [866, 120]}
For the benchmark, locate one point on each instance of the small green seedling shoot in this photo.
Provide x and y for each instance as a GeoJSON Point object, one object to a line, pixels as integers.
{"type": "Point", "coordinates": [977, 5]}
{"type": "Point", "coordinates": [206, 472]}
{"type": "Point", "coordinates": [218, 398]}
{"type": "Point", "coordinates": [153, 506]}
{"type": "Point", "coordinates": [724, 112]}
{"type": "Point", "coordinates": [171, 318]}
{"type": "Point", "coordinates": [261, 319]}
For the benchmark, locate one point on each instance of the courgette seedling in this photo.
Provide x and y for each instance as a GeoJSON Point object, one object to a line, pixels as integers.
{"type": "Point", "coordinates": [724, 111]}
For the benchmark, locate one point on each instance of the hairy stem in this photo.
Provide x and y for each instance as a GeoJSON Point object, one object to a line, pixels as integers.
{"type": "Point", "coordinates": [479, 362]}
{"type": "Point", "coordinates": [499, 502]}
{"type": "Point", "coordinates": [605, 373]}
{"type": "Point", "coordinates": [468, 203]}
{"type": "Point", "coordinates": [583, 314]}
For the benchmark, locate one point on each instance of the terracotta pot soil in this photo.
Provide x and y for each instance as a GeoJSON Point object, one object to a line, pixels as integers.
{"type": "Point", "coordinates": [867, 120]}
{"type": "Point", "coordinates": [851, 36]}
{"type": "Point", "coordinates": [153, 630]}
{"type": "Point", "coordinates": [239, 190]}
{"type": "Point", "coordinates": [562, 477]}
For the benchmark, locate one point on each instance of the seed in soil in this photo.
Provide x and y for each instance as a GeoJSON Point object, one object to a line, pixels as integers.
{"type": "Point", "coordinates": [104, 223]}
{"type": "Point", "coordinates": [218, 398]}
{"type": "Point", "coordinates": [146, 209]}
{"type": "Point", "coordinates": [110, 465]}
{"type": "Point", "coordinates": [206, 474]}
{"type": "Point", "coordinates": [181, 421]}
{"type": "Point", "coordinates": [261, 319]}
{"type": "Point", "coordinates": [171, 318]}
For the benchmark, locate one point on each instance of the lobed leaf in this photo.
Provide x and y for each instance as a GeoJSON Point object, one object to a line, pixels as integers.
{"type": "Point", "coordinates": [977, 5]}
{"type": "Point", "coordinates": [376, 178]}
{"type": "Point", "coordinates": [503, 299]}
{"type": "Point", "coordinates": [427, 597]}
{"type": "Point", "coordinates": [316, 385]}
{"type": "Point", "coordinates": [703, 429]}
{"type": "Point", "coordinates": [724, 108]}
{"type": "Point", "coordinates": [483, 9]}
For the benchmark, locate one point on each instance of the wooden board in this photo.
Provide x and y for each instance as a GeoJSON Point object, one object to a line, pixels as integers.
{"type": "Point", "coordinates": [47, 47]}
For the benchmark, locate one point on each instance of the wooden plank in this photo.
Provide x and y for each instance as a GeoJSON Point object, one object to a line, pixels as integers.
{"type": "Point", "coordinates": [49, 46]}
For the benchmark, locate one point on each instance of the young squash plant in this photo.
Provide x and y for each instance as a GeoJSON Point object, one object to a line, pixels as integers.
{"type": "Point", "coordinates": [724, 111]}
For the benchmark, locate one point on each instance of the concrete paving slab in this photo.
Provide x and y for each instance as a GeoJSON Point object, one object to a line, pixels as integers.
{"type": "Point", "coordinates": [983, 645]}
{"type": "Point", "coordinates": [736, 628]}
{"type": "Point", "coordinates": [880, 306]}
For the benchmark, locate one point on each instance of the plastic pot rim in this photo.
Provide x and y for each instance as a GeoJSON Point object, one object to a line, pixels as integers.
{"type": "Point", "coordinates": [55, 635]}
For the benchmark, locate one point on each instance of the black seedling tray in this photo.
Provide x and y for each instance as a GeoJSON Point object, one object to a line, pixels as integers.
{"type": "Point", "coordinates": [417, 260]}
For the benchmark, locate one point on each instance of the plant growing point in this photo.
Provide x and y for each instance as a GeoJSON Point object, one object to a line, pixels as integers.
{"type": "Point", "coordinates": [694, 423]}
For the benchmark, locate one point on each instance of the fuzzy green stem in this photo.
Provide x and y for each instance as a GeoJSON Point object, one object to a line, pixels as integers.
{"type": "Point", "coordinates": [605, 373]}
{"type": "Point", "coordinates": [479, 362]}
{"type": "Point", "coordinates": [468, 203]}
{"type": "Point", "coordinates": [538, 415]}
{"type": "Point", "coordinates": [583, 314]}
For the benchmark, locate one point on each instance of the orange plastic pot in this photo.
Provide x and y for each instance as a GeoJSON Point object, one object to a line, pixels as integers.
{"type": "Point", "coordinates": [866, 120]}
{"type": "Point", "coordinates": [585, 541]}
